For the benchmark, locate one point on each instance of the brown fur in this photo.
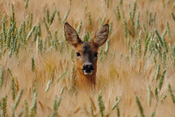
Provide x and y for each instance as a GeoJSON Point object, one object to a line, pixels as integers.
{"type": "Point", "coordinates": [81, 79]}
{"type": "Point", "coordinates": [87, 51]}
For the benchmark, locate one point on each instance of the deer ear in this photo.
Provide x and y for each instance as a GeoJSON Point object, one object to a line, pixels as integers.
{"type": "Point", "coordinates": [101, 35]}
{"type": "Point", "coordinates": [71, 35]}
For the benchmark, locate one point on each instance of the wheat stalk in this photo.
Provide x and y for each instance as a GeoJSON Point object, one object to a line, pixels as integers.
{"type": "Point", "coordinates": [90, 20]}
{"type": "Point", "coordinates": [162, 78]}
{"type": "Point", "coordinates": [65, 17]}
{"type": "Point", "coordinates": [79, 27]}
{"type": "Point", "coordinates": [59, 17]}
{"type": "Point", "coordinates": [26, 108]}
{"type": "Point", "coordinates": [52, 16]}
{"type": "Point", "coordinates": [18, 99]}
{"type": "Point", "coordinates": [140, 107]}
{"type": "Point", "coordinates": [101, 104]}
{"type": "Point", "coordinates": [1, 78]}
{"type": "Point", "coordinates": [26, 4]}
{"type": "Point", "coordinates": [116, 104]}
{"type": "Point", "coordinates": [171, 93]}
{"type": "Point", "coordinates": [149, 95]}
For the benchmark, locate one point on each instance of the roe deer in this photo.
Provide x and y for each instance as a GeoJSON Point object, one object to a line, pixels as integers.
{"type": "Point", "coordinates": [86, 54]}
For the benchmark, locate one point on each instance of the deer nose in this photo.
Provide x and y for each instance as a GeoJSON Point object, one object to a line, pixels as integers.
{"type": "Point", "coordinates": [88, 67]}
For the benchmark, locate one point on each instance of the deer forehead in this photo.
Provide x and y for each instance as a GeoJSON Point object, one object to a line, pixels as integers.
{"type": "Point", "coordinates": [86, 47]}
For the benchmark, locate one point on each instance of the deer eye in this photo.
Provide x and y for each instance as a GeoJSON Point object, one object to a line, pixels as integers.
{"type": "Point", "coordinates": [78, 54]}
{"type": "Point", "coordinates": [96, 54]}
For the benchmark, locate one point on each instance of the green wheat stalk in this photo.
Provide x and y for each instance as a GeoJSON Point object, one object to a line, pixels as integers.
{"type": "Point", "coordinates": [48, 15]}
{"type": "Point", "coordinates": [63, 75]}
{"type": "Point", "coordinates": [20, 114]}
{"type": "Point", "coordinates": [146, 45]}
{"type": "Point", "coordinates": [13, 88]}
{"type": "Point", "coordinates": [13, 112]}
{"type": "Point", "coordinates": [44, 46]}
{"type": "Point", "coordinates": [125, 29]}
{"type": "Point", "coordinates": [171, 93]}
{"type": "Point", "coordinates": [46, 26]}
{"type": "Point", "coordinates": [59, 101]}
{"type": "Point", "coordinates": [117, 13]}
{"type": "Point", "coordinates": [1, 41]}
{"type": "Point", "coordinates": [12, 14]}
{"type": "Point", "coordinates": [140, 107]}
{"type": "Point", "coordinates": [79, 27]}
{"type": "Point", "coordinates": [173, 16]}
{"type": "Point", "coordinates": [121, 2]}
{"type": "Point", "coordinates": [48, 85]}
{"type": "Point", "coordinates": [30, 33]}
{"type": "Point", "coordinates": [31, 20]}
{"type": "Point", "coordinates": [65, 17]}
{"type": "Point", "coordinates": [144, 28]}
{"type": "Point", "coordinates": [110, 28]}
{"type": "Point", "coordinates": [33, 64]}
{"type": "Point", "coordinates": [158, 36]}
{"type": "Point", "coordinates": [137, 22]}
{"type": "Point", "coordinates": [103, 20]}
{"type": "Point", "coordinates": [54, 114]}
{"type": "Point", "coordinates": [26, 4]}
{"type": "Point", "coordinates": [118, 112]}
{"type": "Point", "coordinates": [38, 29]}
{"type": "Point", "coordinates": [90, 20]}
{"type": "Point", "coordinates": [101, 104]}
{"type": "Point", "coordinates": [23, 26]}
{"type": "Point", "coordinates": [59, 17]}
{"type": "Point", "coordinates": [106, 48]}
{"type": "Point", "coordinates": [164, 42]}
{"type": "Point", "coordinates": [149, 95]}
{"type": "Point", "coordinates": [107, 3]}
{"type": "Point", "coordinates": [168, 30]}
{"type": "Point", "coordinates": [33, 108]}
{"type": "Point", "coordinates": [18, 99]}
{"type": "Point", "coordinates": [162, 79]}
{"type": "Point", "coordinates": [52, 16]}
{"type": "Point", "coordinates": [1, 78]}
{"type": "Point", "coordinates": [4, 106]}
{"type": "Point", "coordinates": [163, 98]}
{"type": "Point", "coordinates": [3, 28]}
{"type": "Point", "coordinates": [157, 72]}
{"type": "Point", "coordinates": [156, 93]}
{"type": "Point", "coordinates": [62, 89]}
{"type": "Point", "coordinates": [164, 58]}
{"type": "Point", "coordinates": [26, 108]}
{"type": "Point", "coordinates": [116, 104]}
{"type": "Point", "coordinates": [134, 9]}
{"type": "Point", "coordinates": [150, 19]}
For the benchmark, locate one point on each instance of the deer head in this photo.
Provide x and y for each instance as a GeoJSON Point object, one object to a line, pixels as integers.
{"type": "Point", "coordinates": [86, 52]}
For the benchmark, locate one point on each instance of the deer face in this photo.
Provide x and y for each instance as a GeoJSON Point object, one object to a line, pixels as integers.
{"type": "Point", "coordinates": [86, 52]}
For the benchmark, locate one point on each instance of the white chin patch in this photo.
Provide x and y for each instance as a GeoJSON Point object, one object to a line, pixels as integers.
{"type": "Point", "coordinates": [85, 73]}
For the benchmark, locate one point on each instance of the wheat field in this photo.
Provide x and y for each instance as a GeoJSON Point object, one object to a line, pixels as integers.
{"type": "Point", "coordinates": [135, 70]}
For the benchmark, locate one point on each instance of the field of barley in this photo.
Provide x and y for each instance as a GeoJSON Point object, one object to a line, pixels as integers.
{"type": "Point", "coordinates": [136, 65]}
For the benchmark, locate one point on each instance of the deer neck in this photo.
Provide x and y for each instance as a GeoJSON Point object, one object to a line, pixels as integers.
{"type": "Point", "coordinates": [85, 80]}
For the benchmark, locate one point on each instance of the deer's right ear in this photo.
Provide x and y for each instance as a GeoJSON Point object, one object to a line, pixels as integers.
{"type": "Point", "coordinates": [71, 35]}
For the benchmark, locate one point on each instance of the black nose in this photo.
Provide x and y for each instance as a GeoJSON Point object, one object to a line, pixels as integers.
{"type": "Point", "coordinates": [88, 67]}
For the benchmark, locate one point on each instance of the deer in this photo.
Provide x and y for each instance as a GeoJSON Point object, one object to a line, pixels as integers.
{"type": "Point", "coordinates": [86, 54]}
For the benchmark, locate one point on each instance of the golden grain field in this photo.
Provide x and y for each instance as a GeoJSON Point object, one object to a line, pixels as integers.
{"type": "Point", "coordinates": [136, 66]}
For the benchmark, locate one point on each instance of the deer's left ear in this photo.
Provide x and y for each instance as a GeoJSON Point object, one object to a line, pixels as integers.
{"type": "Point", "coordinates": [71, 35]}
{"type": "Point", "coordinates": [101, 36]}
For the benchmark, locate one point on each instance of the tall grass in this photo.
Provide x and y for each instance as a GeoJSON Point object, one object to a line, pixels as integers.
{"type": "Point", "coordinates": [136, 65]}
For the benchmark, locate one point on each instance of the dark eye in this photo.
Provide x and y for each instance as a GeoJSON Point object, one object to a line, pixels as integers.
{"type": "Point", "coordinates": [96, 54]}
{"type": "Point", "coordinates": [78, 54]}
